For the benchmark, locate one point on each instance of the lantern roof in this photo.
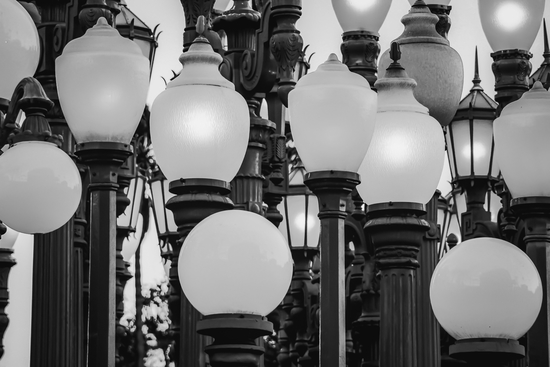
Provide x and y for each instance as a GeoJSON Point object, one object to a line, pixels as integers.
{"type": "Point", "coordinates": [127, 17]}
{"type": "Point", "coordinates": [477, 104]}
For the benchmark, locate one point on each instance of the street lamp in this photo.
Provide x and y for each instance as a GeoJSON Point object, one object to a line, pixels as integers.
{"type": "Point", "coordinates": [486, 305]}
{"type": "Point", "coordinates": [102, 81]}
{"type": "Point", "coordinates": [245, 265]}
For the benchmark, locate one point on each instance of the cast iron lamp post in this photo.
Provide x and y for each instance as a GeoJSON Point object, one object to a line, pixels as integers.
{"type": "Point", "coordinates": [401, 171]}
{"type": "Point", "coordinates": [201, 116]}
{"type": "Point", "coordinates": [491, 304]}
{"type": "Point", "coordinates": [321, 99]}
{"type": "Point", "coordinates": [102, 94]}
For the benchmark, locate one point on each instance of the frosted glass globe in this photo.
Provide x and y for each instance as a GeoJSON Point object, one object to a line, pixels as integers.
{"type": "Point", "coordinates": [200, 118]}
{"type": "Point", "coordinates": [365, 15]}
{"type": "Point", "coordinates": [19, 46]}
{"type": "Point", "coordinates": [331, 110]}
{"type": "Point", "coordinates": [102, 80]}
{"type": "Point", "coordinates": [511, 24]}
{"type": "Point", "coordinates": [8, 239]}
{"type": "Point", "coordinates": [486, 288]}
{"type": "Point", "coordinates": [521, 144]}
{"type": "Point", "coordinates": [407, 152]}
{"type": "Point", "coordinates": [235, 261]}
{"type": "Point", "coordinates": [432, 2]}
{"type": "Point", "coordinates": [40, 187]}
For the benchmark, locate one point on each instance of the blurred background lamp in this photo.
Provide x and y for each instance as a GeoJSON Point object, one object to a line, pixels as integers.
{"type": "Point", "coordinates": [365, 15]}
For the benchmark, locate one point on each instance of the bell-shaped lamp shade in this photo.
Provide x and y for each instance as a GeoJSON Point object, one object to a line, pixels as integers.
{"type": "Point", "coordinates": [433, 2]}
{"type": "Point", "coordinates": [407, 152]}
{"type": "Point", "coordinates": [40, 187]}
{"type": "Point", "coordinates": [361, 15]}
{"type": "Point", "coordinates": [200, 116]}
{"type": "Point", "coordinates": [511, 24]}
{"type": "Point", "coordinates": [102, 80]}
{"type": "Point", "coordinates": [235, 261]}
{"type": "Point", "coordinates": [521, 144]}
{"type": "Point", "coordinates": [8, 239]}
{"type": "Point", "coordinates": [300, 209]}
{"type": "Point", "coordinates": [332, 115]}
{"type": "Point", "coordinates": [19, 46]}
{"type": "Point", "coordinates": [428, 59]}
{"type": "Point", "coordinates": [486, 288]}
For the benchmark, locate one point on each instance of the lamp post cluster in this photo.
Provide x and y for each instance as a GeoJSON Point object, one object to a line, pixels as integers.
{"type": "Point", "coordinates": [346, 163]}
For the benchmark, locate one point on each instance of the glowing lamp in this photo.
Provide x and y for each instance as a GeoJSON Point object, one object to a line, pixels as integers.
{"type": "Point", "coordinates": [300, 209]}
{"type": "Point", "coordinates": [27, 171]}
{"type": "Point", "coordinates": [521, 147]}
{"type": "Point", "coordinates": [8, 239]}
{"type": "Point", "coordinates": [431, 62]}
{"type": "Point", "coordinates": [332, 107]}
{"type": "Point", "coordinates": [235, 262]}
{"type": "Point", "coordinates": [511, 24]}
{"type": "Point", "coordinates": [486, 288]}
{"type": "Point", "coordinates": [102, 80]}
{"type": "Point", "coordinates": [366, 15]}
{"type": "Point", "coordinates": [406, 155]}
{"type": "Point", "coordinates": [201, 117]}
{"type": "Point", "coordinates": [19, 46]}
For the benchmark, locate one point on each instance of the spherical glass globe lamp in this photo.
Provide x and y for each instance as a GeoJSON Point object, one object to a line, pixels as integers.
{"type": "Point", "coordinates": [19, 46]}
{"type": "Point", "coordinates": [431, 62]}
{"type": "Point", "coordinates": [331, 110]}
{"type": "Point", "coordinates": [40, 187]}
{"type": "Point", "coordinates": [235, 262]}
{"type": "Point", "coordinates": [511, 24]}
{"type": "Point", "coordinates": [365, 15]}
{"type": "Point", "coordinates": [486, 288]}
{"type": "Point", "coordinates": [200, 117]}
{"type": "Point", "coordinates": [407, 152]}
{"type": "Point", "coordinates": [521, 146]}
{"type": "Point", "coordinates": [8, 239]}
{"type": "Point", "coordinates": [102, 81]}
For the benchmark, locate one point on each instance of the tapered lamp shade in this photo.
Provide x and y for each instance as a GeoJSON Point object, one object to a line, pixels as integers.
{"type": "Point", "coordinates": [406, 156]}
{"type": "Point", "coordinates": [511, 24]}
{"type": "Point", "coordinates": [332, 115]}
{"type": "Point", "coordinates": [8, 239]}
{"type": "Point", "coordinates": [428, 59]}
{"type": "Point", "coordinates": [102, 81]}
{"type": "Point", "coordinates": [235, 261]}
{"type": "Point", "coordinates": [365, 15]}
{"type": "Point", "coordinates": [521, 144]}
{"type": "Point", "coordinates": [19, 46]}
{"type": "Point", "coordinates": [433, 2]}
{"type": "Point", "coordinates": [486, 288]}
{"type": "Point", "coordinates": [40, 187]}
{"type": "Point", "coordinates": [199, 124]}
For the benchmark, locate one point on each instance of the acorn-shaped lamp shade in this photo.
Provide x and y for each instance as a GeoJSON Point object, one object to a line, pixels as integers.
{"type": "Point", "coordinates": [429, 60]}
{"type": "Point", "coordinates": [235, 262]}
{"type": "Point", "coordinates": [433, 2]}
{"type": "Point", "coordinates": [19, 46]}
{"type": "Point", "coordinates": [102, 80]}
{"type": "Point", "coordinates": [521, 143]}
{"type": "Point", "coordinates": [363, 15]}
{"type": "Point", "coordinates": [200, 117]}
{"type": "Point", "coordinates": [511, 24]}
{"type": "Point", "coordinates": [40, 187]}
{"type": "Point", "coordinates": [407, 152]}
{"type": "Point", "coordinates": [332, 115]}
{"type": "Point", "coordinates": [486, 288]}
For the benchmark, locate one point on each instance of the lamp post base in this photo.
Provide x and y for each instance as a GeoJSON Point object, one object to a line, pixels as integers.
{"type": "Point", "coordinates": [487, 352]}
{"type": "Point", "coordinates": [234, 338]}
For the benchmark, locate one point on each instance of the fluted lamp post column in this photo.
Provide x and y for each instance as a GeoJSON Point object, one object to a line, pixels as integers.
{"type": "Point", "coordinates": [200, 117]}
{"type": "Point", "coordinates": [486, 305]}
{"type": "Point", "coordinates": [400, 173]}
{"type": "Point", "coordinates": [521, 149]}
{"type": "Point", "coordinates": [102, 80]}
{"type": "Point", "coordinates": [335, 108]}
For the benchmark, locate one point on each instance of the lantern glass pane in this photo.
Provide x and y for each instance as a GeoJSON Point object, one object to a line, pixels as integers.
{"type": "Point", "coordinates": [159, 210]}
{"type": "Point", "coordinates": [365, 15]}
{"type": "Point", "coordinates": [511, 24]}
{"type": "Point", "coordinates": [295, 220]}
{"type": "Point", "coordinates": [136, 201]}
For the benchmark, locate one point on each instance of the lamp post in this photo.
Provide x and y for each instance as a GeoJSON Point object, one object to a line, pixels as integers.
{"type": "Point", "coordinates": [102, 102]}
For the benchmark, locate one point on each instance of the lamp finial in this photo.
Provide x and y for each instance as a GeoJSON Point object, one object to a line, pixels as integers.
{"type": "Point", "coordinates": [201, 25]}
